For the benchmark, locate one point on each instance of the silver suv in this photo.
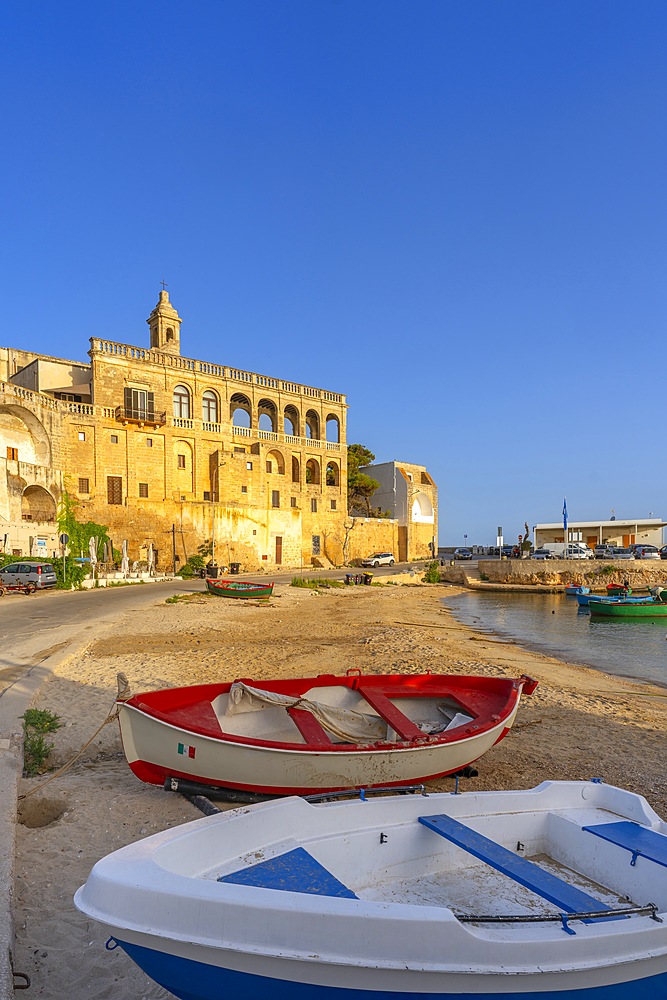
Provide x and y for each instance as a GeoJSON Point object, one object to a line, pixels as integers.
{"type": "Point", "coordinates": [379, 559]}
{"type": "Point", "coordinates": [37, 574]}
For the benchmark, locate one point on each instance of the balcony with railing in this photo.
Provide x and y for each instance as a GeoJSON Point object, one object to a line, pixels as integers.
{"type": "Point", "coordinates": [138, 415]}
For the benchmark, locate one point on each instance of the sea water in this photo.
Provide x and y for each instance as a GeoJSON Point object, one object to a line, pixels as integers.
{"type": "Point", "coordinates": [556, 625]}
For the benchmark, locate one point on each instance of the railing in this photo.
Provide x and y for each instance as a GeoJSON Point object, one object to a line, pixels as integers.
{"type": "Point", "coordinates": [186, 422]}
{"type": "Point", "coordinates": [267, 435]}
{"type": "Point", "coordinates": [211, 428]}
{"type": "Point", "coordinates": [241, 432]}
{"type": "Point", "coordinates": [164, 359]}
{"type": "Point", "coordinates": [139, 416]}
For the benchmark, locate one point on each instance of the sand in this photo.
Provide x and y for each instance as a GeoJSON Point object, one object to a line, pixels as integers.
{"type": "Point", "coordinates": [580, 723]}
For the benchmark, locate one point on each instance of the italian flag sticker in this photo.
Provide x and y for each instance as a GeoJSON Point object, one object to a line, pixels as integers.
{"type": "Point", "coordinates": [185, 750]}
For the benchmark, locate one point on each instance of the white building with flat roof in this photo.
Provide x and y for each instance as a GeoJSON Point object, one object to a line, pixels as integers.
{"type": "Point", "coordinates": [618, 531]}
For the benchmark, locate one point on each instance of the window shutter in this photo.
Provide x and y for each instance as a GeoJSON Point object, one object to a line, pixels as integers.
{"type": "Point", "coordinates": [128, 400]}
{"type": "Point", "coordinates": [150, 404]}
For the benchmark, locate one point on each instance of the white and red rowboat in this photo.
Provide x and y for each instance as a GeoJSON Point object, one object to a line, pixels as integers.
{"type": "Point", "coordinates": [312, 734]}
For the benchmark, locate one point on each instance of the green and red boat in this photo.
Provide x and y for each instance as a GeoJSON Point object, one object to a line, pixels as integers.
{"type": "Point", "coordinates": [239, 588]}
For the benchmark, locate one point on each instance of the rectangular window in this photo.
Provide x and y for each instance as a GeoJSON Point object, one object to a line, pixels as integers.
{"type": "Point", "coordinates": [149, 442]}
{"type": "Point", "coordinates": [13, 454]}
{"type": "Point", "coordinates": [316, 545]}
{"type": "Point", "coordinates": [268, 466]}
{"type": "Point", "coordinates": [240, 451]}
{"type": "Point", "coordinates": [181, 461]}
{"type": "Point", "coordinates": [114, 439]}
{"type": "Point", "coordinates": [143, 489]}
{"type": "Point", "coordinates": [115, 489]}
{"type": "Point", "coordinates": [244, 489]}
{"type": "Point", "coordinates": [333, 504]}
{"type": "Point", "coordinates": [248, 465]}
{"type": "Point", "coordinates": [82, 435]}
{"type": "Point", "coordinates": [84, 486]}
{"type": "Point", "coordinates": [207, 494]}
{"type": "Point", "coordinates": [292, 501]}
{"type": "Point", "coordinates": [275, 498]}
{"type": "Point", "coordinates": [313, 506]}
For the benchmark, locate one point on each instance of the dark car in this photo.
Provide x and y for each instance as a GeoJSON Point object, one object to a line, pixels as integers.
{"type": "Point", "coordinates": [542, 554]}
{"type": "Point", "coordinates": [462, 553]}
{"type": "Point", "coordinates": [663, 552]}
{"type": "Point", "coordinates": [38, 574]}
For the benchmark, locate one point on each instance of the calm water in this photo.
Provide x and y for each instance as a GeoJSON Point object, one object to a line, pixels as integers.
{"type": "Point", "coordinates": [554, 624]}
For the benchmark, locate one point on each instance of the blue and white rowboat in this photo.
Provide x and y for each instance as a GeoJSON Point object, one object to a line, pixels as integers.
{"type": "Point", "coordinates": [558, 891]}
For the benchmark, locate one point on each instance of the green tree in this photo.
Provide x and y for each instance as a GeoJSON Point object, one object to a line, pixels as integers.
{"type": "Point", "coordinates": [79, 532]}
{"type": "Point", "coordinates": [360, 486]}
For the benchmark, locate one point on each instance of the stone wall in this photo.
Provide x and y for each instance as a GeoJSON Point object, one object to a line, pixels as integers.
{"type": "Point", "coordinates": [591, 573]}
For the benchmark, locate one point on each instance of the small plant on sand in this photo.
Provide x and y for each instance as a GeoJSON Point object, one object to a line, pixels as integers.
{"type": "Point", "coordinates": [36, 748]}
{"type": "Point", "coordinates": [314, 583]}
{"type": "Point", "coordinates": [432, 574]}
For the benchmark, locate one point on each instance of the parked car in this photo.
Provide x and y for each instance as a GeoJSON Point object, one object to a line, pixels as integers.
{"type": "Point", "coordinates": [604, 551]}
{"type": "Point", "coordinates": [663, 552]}
{"type": "Point", "coordinates": [618, 553]}
{"type": "Point", "coordinates": [379, 559]}
{"type": "Point", "coordinates": [462, 554]}
{"type": "Point", "coordinates": [41, 574]}
{"type": "Point", "coordinates": [647, 552]}
{"type": "Point", "coordinates": [508, 551]}
{"type": "Point", "coordinates": [542, 554]}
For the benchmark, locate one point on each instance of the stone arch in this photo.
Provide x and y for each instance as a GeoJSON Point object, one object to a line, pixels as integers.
{"type": "Point", "coordinates": [313, 472]}
{"type": "Point", "coordinates": [332, 475]}
{"type": "Point", "coordinates": [313, 425]}
{"type": "Point", "coordinates": [19, 425]}
{"type": "Point", "coordinates": [182, 401]}
{"type": "Point", "coordinates": [37, 504]}
{"type": "Point", "coordinates": [183, 466]}
{"type": "Point", "coordinates": [210, 406]}
{"type": "Point", "coordinates": [296, 469]}
{"type": "Point", "coordinates": [267, 415]}
{"type": "Point", "coordinates": [292, 417]}
{"type": "Point", "coordinates": [275, 463]}
{"type": "Point", "coordinates": [239, 404]}
{"type": "Point", "coordinates": [422, 509]}
{"type": "Point", "coordinates": [332, 432]}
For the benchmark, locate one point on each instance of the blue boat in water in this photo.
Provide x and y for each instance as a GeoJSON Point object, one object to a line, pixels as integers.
{"type": "Point", "coordinates": [574, 590]}
{"type": "Point", "coordinates": [559, 891]}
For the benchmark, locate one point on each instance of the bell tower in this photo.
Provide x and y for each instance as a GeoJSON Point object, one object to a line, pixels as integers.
{"type": "Point", "coordinates": [165, 326]}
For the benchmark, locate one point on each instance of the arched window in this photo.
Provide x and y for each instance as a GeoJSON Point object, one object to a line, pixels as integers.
{"type": "Point", "coordinates": [275, 463]}
{"type": "Point", "coordinates": [181, 401]}
{"type": "Point", "coordinates": [296, 469]}
{"type": "Point", "coordinates": [333, 428]}
{"type": "Point", "coordinates": [291, 421]}
{"type": "Point", "coordinates": [332, 474]}
{"type": "Point", "coordinates": [209, 407]}
{"type": "Point", "coordinates": [239, 410]}
{"type": "Point", "coordinates": [312, 425]}
{"type": "Point", "coordinates": [313, 471]}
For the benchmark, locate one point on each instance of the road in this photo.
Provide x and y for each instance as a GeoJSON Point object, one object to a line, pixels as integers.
{"type": "Point", "coordinates": [33, 628]}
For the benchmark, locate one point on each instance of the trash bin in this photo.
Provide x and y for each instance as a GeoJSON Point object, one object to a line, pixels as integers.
{"type": "Point", "coordinates": [368, 579]}
{"type": "Point", "coordinates": [349, 578]}
{"type": "Point", "coordinates": [235, 568]}
{"type": "Point", "coordinates": [212, 571]}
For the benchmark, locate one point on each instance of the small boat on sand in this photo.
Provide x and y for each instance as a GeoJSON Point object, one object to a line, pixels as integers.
{"type": "Point", "coordinates": [312, 734]}
{"type": "Point", "coordinates": [239, 588]}
{"type": "Point", "coordinates": [558, 891]}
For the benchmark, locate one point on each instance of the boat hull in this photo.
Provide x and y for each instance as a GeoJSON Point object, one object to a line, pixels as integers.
{"type": "Point", "coordinates": [238, 590]}
{"type": "Point", "coordinates": [628, 609]}
{"type": "Point", "coordinates": [152, 751]}
{"type": "Point", "coordinates": [190, 979]}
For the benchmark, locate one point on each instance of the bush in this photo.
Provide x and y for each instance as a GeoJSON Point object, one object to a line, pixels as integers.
{"type": "Point", "coordinates": [36, 748]}
{"type": "Point", "coordinates": [314, 583]}
{"type": "Point", "coordinates": [75, 573]}
{"type": "Point", "coordinates": [432, 574]}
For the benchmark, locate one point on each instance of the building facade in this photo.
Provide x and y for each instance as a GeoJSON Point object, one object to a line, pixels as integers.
{"type": "Point", "coordinates": [410, 496]}
{"type": "Point", "coordinates": [621, 532]}
{"type": "Point", "coordinates": [174, 452]}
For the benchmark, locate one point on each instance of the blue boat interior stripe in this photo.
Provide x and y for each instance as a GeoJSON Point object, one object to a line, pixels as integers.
{"type": "Point", "coordinates": [567, 897]}
{"type": "Point", "coordinates": [634, 838]}
{"type": "Point", "coordinates": [294, 871]}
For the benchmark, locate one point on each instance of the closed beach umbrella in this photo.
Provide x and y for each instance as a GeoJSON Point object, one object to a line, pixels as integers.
{"type": "Point", "coordinates": [92, 548]}
{"type": "Point", "coordinates": [151, 559]}
{"type": "Point", "coordinates": [125, 562]}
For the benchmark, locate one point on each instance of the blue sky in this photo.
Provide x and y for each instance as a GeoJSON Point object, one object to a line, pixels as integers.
{"type": "Point", "coordinates": [453, 212]}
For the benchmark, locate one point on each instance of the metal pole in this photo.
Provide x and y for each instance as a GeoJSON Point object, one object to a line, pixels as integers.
{"type": "Point", "coordinates": [173, 546]}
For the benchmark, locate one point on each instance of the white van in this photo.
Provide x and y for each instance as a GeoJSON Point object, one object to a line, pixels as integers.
{"type": "Point", "coordinates": [573, 550]}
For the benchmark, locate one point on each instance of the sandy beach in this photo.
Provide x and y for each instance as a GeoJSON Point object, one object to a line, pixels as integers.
{"type": "Point", "coordinates": [580, 723]}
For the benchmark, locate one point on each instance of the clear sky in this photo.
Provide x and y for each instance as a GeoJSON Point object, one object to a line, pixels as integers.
{"type": "Point", "coordinates": [453, 212]}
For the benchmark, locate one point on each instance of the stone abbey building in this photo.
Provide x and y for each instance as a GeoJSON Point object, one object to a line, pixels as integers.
{"type": "Point", "coordinates": [172, 452]}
